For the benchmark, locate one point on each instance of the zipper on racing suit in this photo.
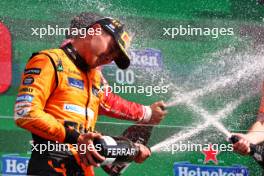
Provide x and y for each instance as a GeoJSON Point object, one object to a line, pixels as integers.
{"type": "Point", "coordinates": [87, 104]}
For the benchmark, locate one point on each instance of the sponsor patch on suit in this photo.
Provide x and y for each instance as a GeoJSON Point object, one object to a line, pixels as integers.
{"type": "Point", "coordinates": [24, 98]}
{"type": "Point", "coordinates": [26, 89]}
{"type": "Point", "coordinates": [22, 109]}
{"type": "Point", "coordinates": [76, 83]}
{"type": "Point", "coordinates": [74, 108]}
{"type": "Point", "coordinates": [32, 71]}
{"type": "Point", "coordinates": [28, 81]}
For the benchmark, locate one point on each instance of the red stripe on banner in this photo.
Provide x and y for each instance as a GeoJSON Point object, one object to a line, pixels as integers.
{"type": "Point", "coordinates": [5, 58]}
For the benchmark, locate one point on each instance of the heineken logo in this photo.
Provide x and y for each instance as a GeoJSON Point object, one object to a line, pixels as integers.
{"type": "Point", "coordinates": [14, 165]}
{"type": "Point", "coordinates": [187, 169]}
{"type": "Point", "coordinates": [142, 58]}
{"type": "Point", "coordinates": [146, 58]}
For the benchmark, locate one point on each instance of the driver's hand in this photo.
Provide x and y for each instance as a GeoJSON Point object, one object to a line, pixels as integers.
{"type": "Point", "coordinates": [90, 156]}
{"type": "Point", "coordinates": [158, 112]}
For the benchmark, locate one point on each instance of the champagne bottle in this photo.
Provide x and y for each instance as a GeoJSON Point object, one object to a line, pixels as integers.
{"type": "Point", "coordinates": [116, 150]}
{"type": "Point", "coordinates": [256, 151]}
{"type": "Point", "coordinates": [137, 134]}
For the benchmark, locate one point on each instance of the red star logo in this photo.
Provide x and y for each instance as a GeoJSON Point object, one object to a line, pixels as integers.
{"type": "Point", "coordinates": [210, 155]}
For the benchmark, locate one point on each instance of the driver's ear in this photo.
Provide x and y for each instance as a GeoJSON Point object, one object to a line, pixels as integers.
{"type": "Point", "coordinates": [97, 29]}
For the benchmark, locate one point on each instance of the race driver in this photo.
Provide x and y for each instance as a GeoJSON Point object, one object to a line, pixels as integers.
{"type": "Point", "coordinates": [62, 92]}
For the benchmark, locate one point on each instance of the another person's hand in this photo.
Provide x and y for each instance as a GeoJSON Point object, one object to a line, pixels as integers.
{"type": "Point", "coordinates": [90, 156]}
{"type": "Point", "coordinates": [242, 146]}
{"type": "Point", "coordinates": [158, 112]}
{"type": "Point", "coordinates": [144, 153]}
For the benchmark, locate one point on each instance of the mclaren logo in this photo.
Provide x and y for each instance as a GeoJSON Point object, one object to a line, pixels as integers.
{"type": "Point", "coordinates": [125, 37]}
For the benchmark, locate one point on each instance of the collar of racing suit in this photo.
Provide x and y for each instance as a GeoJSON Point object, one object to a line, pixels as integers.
{"type": "Point", "coordinates": [75, 57]}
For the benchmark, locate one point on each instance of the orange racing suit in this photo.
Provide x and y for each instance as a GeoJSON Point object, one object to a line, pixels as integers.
{"type": "Point", "coordinates": [60, 97]}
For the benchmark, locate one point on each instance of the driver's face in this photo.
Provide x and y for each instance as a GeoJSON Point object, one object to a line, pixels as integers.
{"type": "Point", "coordinates": [102, 49]}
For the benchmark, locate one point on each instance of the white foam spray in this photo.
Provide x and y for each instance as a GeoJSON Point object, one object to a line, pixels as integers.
{"type": "Point", "coordinates": [183, 135]}
{"type": "Point", "coordinates": [243, 71]}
